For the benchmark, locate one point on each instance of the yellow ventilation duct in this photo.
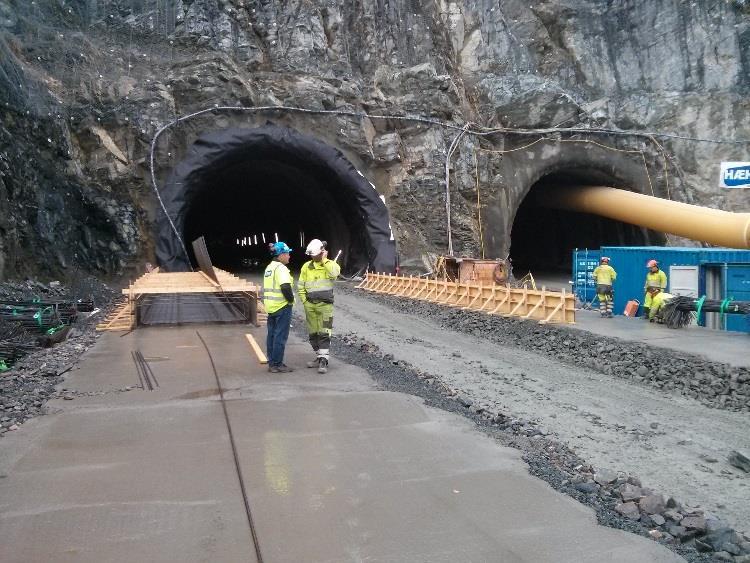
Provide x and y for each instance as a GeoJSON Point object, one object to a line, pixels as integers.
{"type": "Point", "coordinates": [721, 228]}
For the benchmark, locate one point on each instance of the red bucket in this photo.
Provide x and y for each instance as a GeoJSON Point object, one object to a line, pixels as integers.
{"type": "Point", "coordinates": [631, 309]}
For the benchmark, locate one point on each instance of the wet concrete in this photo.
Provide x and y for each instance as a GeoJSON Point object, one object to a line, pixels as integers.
{"type": "Point", "coordinates": [336, 470]}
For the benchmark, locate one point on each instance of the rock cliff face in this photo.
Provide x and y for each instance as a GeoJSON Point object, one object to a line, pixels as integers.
{"type": "Point", "coordinates": [85, 84]}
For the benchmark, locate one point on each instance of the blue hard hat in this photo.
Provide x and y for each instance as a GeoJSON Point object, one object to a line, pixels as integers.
{"type": "Point", "coordinates": [278, 248]}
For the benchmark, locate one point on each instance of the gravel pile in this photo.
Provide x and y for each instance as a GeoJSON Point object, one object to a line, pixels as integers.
{"type": "Point", "coordinates": [32, 381]}
{"type": "Point", "coordinates": [80, 288]}
{"type": "Point", "coordinates": [713, 384]}
{"type": "Point", "coordinates": [620, 500]}
{"type": "Point", "coordinates": [30, 289]}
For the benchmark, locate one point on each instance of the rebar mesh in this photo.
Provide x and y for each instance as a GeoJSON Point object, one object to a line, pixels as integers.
{"type": "Point", "coordinates": [184, 308]}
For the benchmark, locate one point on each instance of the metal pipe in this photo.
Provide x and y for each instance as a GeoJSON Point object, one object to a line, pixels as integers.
{"type": "Point", "coordinates": [714, 226]}
{"type": "Point", "coordinates": [449, 154]}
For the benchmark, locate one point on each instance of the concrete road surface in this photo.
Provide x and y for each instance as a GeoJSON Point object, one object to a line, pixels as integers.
{"type": "Point", "coordinates": [612, 423]}
{"type": "Point", "coordinates": [335, 470]}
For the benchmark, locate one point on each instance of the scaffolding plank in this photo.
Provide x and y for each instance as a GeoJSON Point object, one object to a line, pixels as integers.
{"type": "Point", "coordinates": [258, 352]}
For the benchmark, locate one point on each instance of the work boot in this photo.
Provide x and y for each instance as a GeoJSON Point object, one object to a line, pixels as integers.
{"type": "Point", "coordinates": [283, 368]}
{"type": "Point", "coordinates": [323, 365]}
{"type": "Point", "coordinates": [313, 363]}
{"type": "Point", "coordinates": [646, 311]}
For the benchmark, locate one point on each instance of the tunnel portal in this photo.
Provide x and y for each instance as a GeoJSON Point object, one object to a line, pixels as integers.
{"type": "Point", "coordinates": [245, 188]}
{"type": "Point", "coordinates": [543, 238]}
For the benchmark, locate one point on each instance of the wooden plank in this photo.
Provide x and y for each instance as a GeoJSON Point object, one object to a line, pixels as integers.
{"type": "Point", "coordinates": [437, 296]}
{"type": "Point", "coordinates": [522, 303]}
{"type": "Point", "coordinates": [209, 280]}
{"type": "Point", "coordinates": [552, 314]}
{"type": "Point", "coordinates": [431, 288]}
{"type": "Point", "coordinates": [479, 295]}
{"type": "Point", "coordinates": [363, 283]}
{"type": "Point", "coordinates": [490, 299]}
{"type": "Point", "coordinates": [377, 283]}
{"type": "Point", "coordinates": [460, 299]}
{"type": "Point", "coordinates": [373, 281]}
{"type": "Point", "coordinates": [447, 300]}
{"type": "Point", "coordinates": [535, 307]}
{"type": "Point", "coordinates": [189, 289]}
{"type": "Point", "coordinates": [258, 352]}
{"type": "Point", "coordinates": [418, 288]}
{"type": "Point", "coordinates": [429, 285]}
{"type": "Point", "coordinates": [190, 282]}
{"type": "Point", "coordinates": [119, 319]}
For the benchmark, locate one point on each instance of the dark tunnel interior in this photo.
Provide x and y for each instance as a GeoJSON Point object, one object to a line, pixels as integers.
{"type": "Point", "coordinates": [542, 239]}
{"type": "Point", "coordinates": [241, 208]}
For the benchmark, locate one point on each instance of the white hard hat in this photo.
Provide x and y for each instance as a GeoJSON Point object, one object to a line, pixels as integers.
{"type": "Point", "coordinates": [315, 247]}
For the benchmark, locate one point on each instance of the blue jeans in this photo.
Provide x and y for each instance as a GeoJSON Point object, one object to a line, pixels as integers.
{"type": "Point", "coordinates": [278, 332]}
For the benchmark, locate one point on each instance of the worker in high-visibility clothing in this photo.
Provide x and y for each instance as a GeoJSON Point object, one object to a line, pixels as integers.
{"type": "Point", "coordinates": [315, 290]}
{"type": "Point", "coordinates": [658, 299]}
{"type": "Point", "coordinates": [278, 299]}
{"type": "Point", "coordinates": [604, 276]}
{"type": "Point", "coordinates": [654, 278]}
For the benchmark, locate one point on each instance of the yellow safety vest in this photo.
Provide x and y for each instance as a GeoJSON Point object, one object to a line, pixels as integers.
{"type": "Point", "coordinates": [604, 274]}
{"type": "Point", "coordinates": [316, 281]}
{"type": "Point", "coordinates": [276, 274]}
{"type": "Point", "coordinates": [658, 279]}
{"type": "Point", "coordinates": [657, 302]}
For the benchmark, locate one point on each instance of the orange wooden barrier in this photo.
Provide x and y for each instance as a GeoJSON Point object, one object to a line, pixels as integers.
{"type": "Point", "coordinates": [540, 305]}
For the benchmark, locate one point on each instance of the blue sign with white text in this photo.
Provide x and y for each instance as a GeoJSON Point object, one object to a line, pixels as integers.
{"type": "Point", "coordinates": [735, 175]}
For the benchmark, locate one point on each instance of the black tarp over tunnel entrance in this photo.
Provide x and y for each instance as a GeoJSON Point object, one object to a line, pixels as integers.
{"type": "Point", "coordinates": [249, 184]}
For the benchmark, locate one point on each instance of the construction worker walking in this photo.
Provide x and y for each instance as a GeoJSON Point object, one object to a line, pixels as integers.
{"type": "Point", "coordinates": [278, 299]}
{"type": "Point", "coordinates": [315, 290]}
{"type": "Point", "coordinates": [654, 278]}
{"type": "Point", "coordinates": [605, 275]}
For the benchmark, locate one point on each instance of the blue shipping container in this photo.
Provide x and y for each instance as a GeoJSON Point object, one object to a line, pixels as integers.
{"type": "Point", "coordinates": [630, 264]}
{"type": "Point", "coordinates": [737, 283]}
{"type": "Point", "coordinates": [584, 262]}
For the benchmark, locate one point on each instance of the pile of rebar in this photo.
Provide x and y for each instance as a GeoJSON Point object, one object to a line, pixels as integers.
{"type": "Point", "coordinates": [15, 342]}
{"type": "Point", "coordinates": [680, 311]}
{"type": "Point", "coordinates": [21, 320]}
{"type": "Point", "coordinates": [146, 376]}
{"type": "Point", "coordinates": [39, 315]}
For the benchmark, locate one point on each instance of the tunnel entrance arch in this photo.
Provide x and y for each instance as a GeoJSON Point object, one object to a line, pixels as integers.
{"type": "Point", "coordinates": [543, 238]}
{"type": "Point", "coordinates": [242, 188]}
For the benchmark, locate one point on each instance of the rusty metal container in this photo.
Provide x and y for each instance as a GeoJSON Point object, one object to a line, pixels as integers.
{"type": "Point", "coordinates": [475, 270]}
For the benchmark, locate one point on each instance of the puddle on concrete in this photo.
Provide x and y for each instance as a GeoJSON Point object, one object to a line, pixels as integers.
{"type": "Point", "coordinates": [199, 394]}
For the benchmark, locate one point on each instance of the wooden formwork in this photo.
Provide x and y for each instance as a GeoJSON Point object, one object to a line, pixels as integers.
{"type": "Point", "coordinates": [121, 318]}
{"type": "Point", "coordinates": [188, 282]}
{"type": "Point", "coordinates": [165, 283]}
{"type": "Point", "coordinates": [540, 305]}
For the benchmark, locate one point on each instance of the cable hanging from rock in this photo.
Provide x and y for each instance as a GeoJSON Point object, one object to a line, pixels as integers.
{"type": "Point", "coordinates": [463, 129]}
